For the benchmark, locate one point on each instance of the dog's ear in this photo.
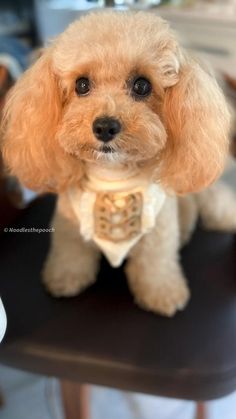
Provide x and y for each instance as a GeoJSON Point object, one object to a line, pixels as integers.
{"type": "Point", "coordinates": [197, 122]}
{"type": "Point", "coordinates": [30, 119]}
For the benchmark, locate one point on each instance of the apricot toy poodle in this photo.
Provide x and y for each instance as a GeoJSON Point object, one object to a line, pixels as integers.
{"type": "Point", "coordinates": [118, 120]}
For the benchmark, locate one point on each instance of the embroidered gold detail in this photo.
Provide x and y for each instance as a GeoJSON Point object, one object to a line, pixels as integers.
{"type": "Point", "coordinates": [118, 215]}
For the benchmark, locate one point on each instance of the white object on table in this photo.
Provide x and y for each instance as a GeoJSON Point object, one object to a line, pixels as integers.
{"type": "Point", "coordinates": [3, 321]}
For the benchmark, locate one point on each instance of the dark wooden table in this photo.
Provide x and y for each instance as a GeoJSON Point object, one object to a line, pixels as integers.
{"type": "Point", "coordinates": [101, 337]}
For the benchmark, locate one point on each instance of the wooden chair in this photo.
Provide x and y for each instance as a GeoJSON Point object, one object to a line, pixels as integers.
{"type": "Point", "coordinates": [101, 337]}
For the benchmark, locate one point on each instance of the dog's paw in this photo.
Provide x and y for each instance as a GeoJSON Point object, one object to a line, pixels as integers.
{"type": "Point", "coordinates": [166, 301]}
{"type": "Point", "coordinates": [65, 284]}
{"type": "Point", "coordinates": [163, 296]}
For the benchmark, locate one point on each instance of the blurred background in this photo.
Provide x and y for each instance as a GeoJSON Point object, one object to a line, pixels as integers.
{"type": "Point", "coordinates": [208, 28]}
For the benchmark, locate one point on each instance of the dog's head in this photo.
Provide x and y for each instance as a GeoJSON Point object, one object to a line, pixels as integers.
{"type": "Point", "coordinates": [116, 87]}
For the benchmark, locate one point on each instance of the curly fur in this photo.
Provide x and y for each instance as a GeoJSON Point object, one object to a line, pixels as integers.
{"type": "Point", "coordinates": [179, 133]}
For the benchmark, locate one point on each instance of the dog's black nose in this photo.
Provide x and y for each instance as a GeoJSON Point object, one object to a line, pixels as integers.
{"type": "Point", "coordinates": [106, 128]}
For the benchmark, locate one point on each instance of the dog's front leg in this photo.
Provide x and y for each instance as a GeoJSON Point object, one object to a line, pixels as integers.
{"type": "Point", "coordinates": [72, 264]}
{"type": "Point", "coordinates": [154, 274]}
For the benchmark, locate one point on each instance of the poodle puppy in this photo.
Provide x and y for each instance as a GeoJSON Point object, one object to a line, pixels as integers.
{"type": "Point", "coordinates": [118, 120]}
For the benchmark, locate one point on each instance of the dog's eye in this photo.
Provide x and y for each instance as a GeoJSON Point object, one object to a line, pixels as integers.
{"type": "Point", "coordinates": [141, 87]}
{"type": "Point", "coordinates": [82, 86]}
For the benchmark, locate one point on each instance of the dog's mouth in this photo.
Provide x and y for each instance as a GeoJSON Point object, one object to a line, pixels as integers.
{"type": "Point", "coordinates": [108, 153]}
{"type": "Point", "coordinates": [107, 149]}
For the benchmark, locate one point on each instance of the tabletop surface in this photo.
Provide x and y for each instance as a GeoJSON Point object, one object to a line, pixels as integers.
{"type": "Point", "coordinates": [102, 337]}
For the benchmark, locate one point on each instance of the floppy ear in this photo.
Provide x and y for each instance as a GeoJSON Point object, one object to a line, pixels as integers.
{"type": "Point", "coordinates": [197, 122]}
{"type": "Point", "coordinates": [30, 119]}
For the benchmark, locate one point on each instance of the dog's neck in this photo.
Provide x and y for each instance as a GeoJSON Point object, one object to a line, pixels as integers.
{"type": "Point", "coordinates": [111, 172]}
{"type": "Point", "coordinates": [116, 178]}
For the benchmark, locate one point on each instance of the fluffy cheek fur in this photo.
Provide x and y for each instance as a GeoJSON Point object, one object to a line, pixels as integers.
{"type": "Point", "coordinates": [30, 122]}
{"type": "Point", "coordinates": [142, 137]}
{"type": "Point", "coordinates": [197, 122]}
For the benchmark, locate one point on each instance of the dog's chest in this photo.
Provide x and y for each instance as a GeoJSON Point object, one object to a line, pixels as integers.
{"type": "Point", "coordinates": [116, 214]}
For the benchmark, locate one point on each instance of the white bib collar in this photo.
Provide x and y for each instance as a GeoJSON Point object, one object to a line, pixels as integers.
{"type": "Point", "coordinates": [116, 213]}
